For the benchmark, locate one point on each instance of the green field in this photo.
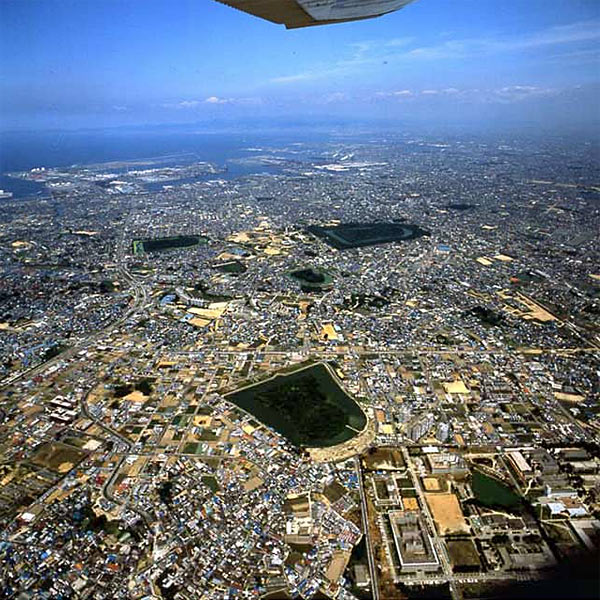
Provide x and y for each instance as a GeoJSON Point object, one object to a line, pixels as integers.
{"type": "Point", "coordinates": [307, 407]}
{"type": "Point", "coordinates": [232, 267]}
{"type": "Point", "coordinates": [464, 556]}
{"type": "Point", "coordinates": [312, 279]}
{"type": "Point", "coordinates": [159, 244]}
{"type": "Point", "coordinates": [355, 235]}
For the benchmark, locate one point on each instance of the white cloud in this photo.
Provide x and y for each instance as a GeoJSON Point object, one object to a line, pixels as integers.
{"type": "Point", "coordinates": [189, 104]}
{"type": "Point", "coordinates": [399, 42]}
{"type": "Point", "coordinates": [362, 54]}
{"type": "Point", "coordinates": [395, 94]}
{"type": "Point", "coordinates": [183, 104]}
{"type": "Point", "coordinates": [296, 77]}
{"type": "Point", "coordinates": [517, 93]}
{"type": "Point", "coordinates": [583, 31]}
{"type": "Point", "coordinates": [211, 100]}
{"type": "Point", "coordinates": [504, 94]}
{"type": "Point", "coordinates": [217, 100]}
{"type": "Point", "coordinates": [371, 53]}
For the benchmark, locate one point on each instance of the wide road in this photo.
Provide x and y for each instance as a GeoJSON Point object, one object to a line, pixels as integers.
{"type": "Point", "coordinates": [140, 298]}
{"type": "Point", "coordinates": [329, 354]}
{"type": "Point", "coordinates": [365, 520]}
{"type": "Point", "coordinates": [107, 488]}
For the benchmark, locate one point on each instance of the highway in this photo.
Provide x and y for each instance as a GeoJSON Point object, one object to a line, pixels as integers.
{"type": "Point", "coordinates": [140, 299]}
{"type": "Point", "coordinates": [329, 354]}
{"type": "Point", "coordinates": [365, 521]}
{"type": "Point", "coordinates": [107, 488]}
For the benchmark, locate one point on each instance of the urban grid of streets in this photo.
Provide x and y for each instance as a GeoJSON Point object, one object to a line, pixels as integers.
{"type": "Point", "coordinates": [472, 351]}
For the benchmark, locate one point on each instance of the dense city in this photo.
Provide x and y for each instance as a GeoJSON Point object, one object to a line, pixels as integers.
{"type": "Point", "coordinates": [362, 367]}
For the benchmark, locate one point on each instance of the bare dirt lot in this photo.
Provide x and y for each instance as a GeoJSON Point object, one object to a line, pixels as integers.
{"type": "Point", "coordinates": [447, 513]}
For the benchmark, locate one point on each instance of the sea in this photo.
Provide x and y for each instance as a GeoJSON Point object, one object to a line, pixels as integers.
{"type": "Point", "coordinates": [20, 151]}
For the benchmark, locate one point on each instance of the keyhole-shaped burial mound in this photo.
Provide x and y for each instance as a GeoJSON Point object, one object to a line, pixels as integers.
{"type": "Point", "coordinates": [307, 406]}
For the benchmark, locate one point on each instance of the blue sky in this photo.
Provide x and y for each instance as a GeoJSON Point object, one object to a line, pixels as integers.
{"type": "Point", "coordinates": [91, 63]}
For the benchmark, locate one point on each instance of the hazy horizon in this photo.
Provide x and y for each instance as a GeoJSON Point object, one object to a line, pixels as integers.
{"type": "Point", "coordinates": [70, 65]}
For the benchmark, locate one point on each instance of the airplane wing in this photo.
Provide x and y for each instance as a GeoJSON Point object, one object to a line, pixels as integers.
{"type": "Point", "coordinates": [305, 13]}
